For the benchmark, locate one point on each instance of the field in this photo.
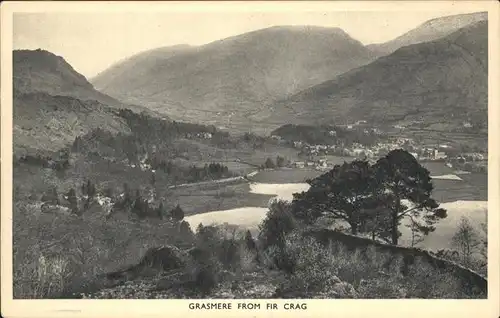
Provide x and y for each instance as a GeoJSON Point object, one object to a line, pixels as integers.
{"type": "Point", "coordinates": [285, 175]}
{"type": "Point", "coordinates": [194, 200]}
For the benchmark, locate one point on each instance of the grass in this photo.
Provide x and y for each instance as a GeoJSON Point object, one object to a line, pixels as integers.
{"type": "Point", "coordinates": [285, 175]}
{"type": "Point", "coordinates": [213, 198]}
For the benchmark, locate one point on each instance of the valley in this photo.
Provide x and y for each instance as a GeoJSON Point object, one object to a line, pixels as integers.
{"type": "Point", "coordinates": [262, 138]}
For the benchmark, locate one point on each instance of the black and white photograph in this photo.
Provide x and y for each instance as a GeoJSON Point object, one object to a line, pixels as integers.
{"type": "Point", "coordinates": [275, 154]}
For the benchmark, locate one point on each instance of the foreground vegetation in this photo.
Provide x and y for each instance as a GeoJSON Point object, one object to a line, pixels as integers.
{"type": "Point", "coordinates": [75, 258]}
{"type": "Point", "coordinates": [60, 254]}
{"type": "Point", "coordinates": [103, 219]}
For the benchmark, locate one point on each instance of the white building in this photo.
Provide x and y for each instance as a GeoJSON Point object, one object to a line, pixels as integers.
{"type": "Point", "coordinates": [299, 164]}
{"type": "Point", "coordinates": [439, 154]}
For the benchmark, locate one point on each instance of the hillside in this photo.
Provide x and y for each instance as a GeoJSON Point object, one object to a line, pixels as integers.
{"type": "Point", "coordinates": [429, 31]}
{"type": "Point", "coordinates": [40, 71]}
{"type": "Point", "coordinates": [139, 64]}
{"type": "Point", "coordinates": [435, 85]}
{"type": "Point", "coordinates": [43, 122]}
{"type": "Point", "coordinates": [240, 74]}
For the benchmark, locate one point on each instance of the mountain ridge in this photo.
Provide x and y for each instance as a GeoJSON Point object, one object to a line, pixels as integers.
{"type": "Point", "coordinates": [428, 31]}
{"type": "Point", "coordinates": [241, 73]}
{"type": "Point", "coordinates": [402, 87]}
{"type": "Point", "coordinates": [41, 71]}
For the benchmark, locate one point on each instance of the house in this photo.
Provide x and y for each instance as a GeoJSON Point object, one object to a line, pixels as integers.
{"type": "Point", "coordinates": [414, 154]}
{"type": "Point", "coordinates": [299, 164]}
{"type": "Point", "coordinates": [358, 151]}
{"type": "Point", "coordinates": [439, 154]}
{"type": "Point", "coordinates": [322, 163]}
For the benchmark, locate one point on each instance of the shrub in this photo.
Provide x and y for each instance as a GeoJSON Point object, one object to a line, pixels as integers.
{"type": "Point", "coordinates": [312, 263]}
{"type": "Point", "coordinates": [277, 224]}
{"type": "Point", "coordinates": [206, 279]}
{"type": "Point", "coordinates": [423, 281]}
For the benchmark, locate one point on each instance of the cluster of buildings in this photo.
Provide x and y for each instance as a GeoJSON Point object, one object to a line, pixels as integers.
{"type": "Point", "coordinates": [200, 135]}
{"type": "Point", "coordinates": [319, 164]}
{"type": "Point", "coordinates": [438, 152]}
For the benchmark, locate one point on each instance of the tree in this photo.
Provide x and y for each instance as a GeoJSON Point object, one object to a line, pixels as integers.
{"type": "Point", "coordinates": [484, 241]}
{"type": "Point", "coordinates": [127, 196]}
{"type": "Point", "coordinates": [159, 211]}
{"type": "Point", "coordinates": [417, 232]}
{"type": "Point", "coordinates": [73, 201]}
{"type": "Point", "coordinates": [466, 240]}
{"type": "Point", "coordinates": [269, 164]}
{"type": "Point", "coordinates": [377, 224]}
{"type": "Point", "coordinates": [140, 207]}
{"type": "Point", "coordinates": [347, 193]}
{"type": "Point", "coordinates": [280, 161]}
{"type": "Point", "coordinates": [185, 230]}
{"type": "Point", "coordinates": [153, 179]}
{"type": "Point", "coordinates": [249, 242]}
{"type": "Point", "coordinates": [89, 190]}
{"type": "Point", "coordinates": [177, 213]}
{"type": "Point", "coordinates": [278, 223]}
{"type": "Point", "coordinates": [400, 177]}
{"type": "Point", "coordinates": [51, 196]}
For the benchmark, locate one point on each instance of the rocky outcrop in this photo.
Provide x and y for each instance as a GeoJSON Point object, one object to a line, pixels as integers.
{"type": "Point", "coordinates": [158, 259]}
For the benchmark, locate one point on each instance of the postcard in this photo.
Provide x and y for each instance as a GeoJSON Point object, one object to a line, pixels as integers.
{"type": "Point", "coordinates": [335, 159]}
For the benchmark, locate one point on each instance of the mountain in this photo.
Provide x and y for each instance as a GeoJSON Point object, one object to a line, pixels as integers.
{"type": "Point", "coordinates": [429, 31]}
{"type": "Point", "coordinates": [437, 85]}
{"type": "Point", "coordinates": [40, 71]}
{"type": "Point", "coordinates": [240, 74]}
{"type": "Point", "coordinates": [139, 65]}
{"type": "Point", "coordinates": [53, 104]}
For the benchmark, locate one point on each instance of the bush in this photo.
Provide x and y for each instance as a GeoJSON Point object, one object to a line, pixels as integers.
{"type": "Point", "coordinates": [223, 242]}
{"type": "Point", "coordinates": [312, 263]}
{"type": "Point", "coordinates": [206, 279]}
{"type": "Point", "coordinates": [277, 224]}
{"type": "Point", "coordinates": [423, 281]}
{"type": "Point", "coordinates": [313, 271]}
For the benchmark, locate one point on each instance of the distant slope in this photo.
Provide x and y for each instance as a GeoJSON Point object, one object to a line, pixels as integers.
{"type": "Point", "coordinates": [240, 74]}
{"type": "Point", "coordinates": [139, 65]}
{"type": "Point", "coordinates": [42, 71]}
{"type": "Point", "coordinates": [440, 83]}
{"type": "Point", "coordinates": [429, 31]}
{"type": "Point", "coordinates": [42, 122]}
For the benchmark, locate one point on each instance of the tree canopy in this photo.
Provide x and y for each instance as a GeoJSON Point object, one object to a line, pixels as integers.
{"type": "Point", "coordinates": [374, 198]}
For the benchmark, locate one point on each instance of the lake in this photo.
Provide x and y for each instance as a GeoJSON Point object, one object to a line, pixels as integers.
{"type": "Point", "coordinates": [466, 197]}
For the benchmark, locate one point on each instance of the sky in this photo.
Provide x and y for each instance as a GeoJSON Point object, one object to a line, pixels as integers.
{"type": "Point", "coordinates": [91, 42]}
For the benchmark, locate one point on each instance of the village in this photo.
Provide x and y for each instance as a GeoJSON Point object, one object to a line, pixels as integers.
{"type": "Point", "coordinates": [317, 156]}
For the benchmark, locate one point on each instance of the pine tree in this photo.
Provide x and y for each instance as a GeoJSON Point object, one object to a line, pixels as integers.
{"type": "Point", "coordinates": [73, 201]}
{"type": "Point", "coordinates": [401, 177]}
{"type": "Point", "coordinates": [160, 210]}
{"type": "Point", "coordinates": [249, 241]}
{"type": "Point", "coordinates": [177, 213]}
